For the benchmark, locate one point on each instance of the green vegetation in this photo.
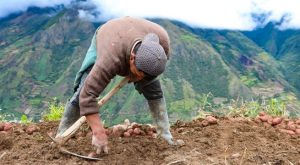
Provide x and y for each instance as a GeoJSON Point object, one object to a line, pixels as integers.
{"type": "Point", "coordinates": [239, 107]}
{"type": "Point", "coordinates": [25, 120]}
{"type": "Point", "coordinates": [205, 66]}
{"type": "Point", "coordinates": [55, 111]}
{"type": "Point", "coordinates": [249, 80]}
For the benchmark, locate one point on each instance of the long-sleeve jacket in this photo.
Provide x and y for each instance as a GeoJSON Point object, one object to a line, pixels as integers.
{"type": "Point", "coordinates": [114, 42]}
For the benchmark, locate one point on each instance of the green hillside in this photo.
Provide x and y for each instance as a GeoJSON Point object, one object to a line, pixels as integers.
{"type": "Point", "coordinates": [40, 53]}
{"type": "Point", "coordinates": [284, 45]}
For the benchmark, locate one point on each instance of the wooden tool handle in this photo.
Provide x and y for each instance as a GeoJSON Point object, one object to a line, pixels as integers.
{"type": "Point", "coordinates": [72, 130]}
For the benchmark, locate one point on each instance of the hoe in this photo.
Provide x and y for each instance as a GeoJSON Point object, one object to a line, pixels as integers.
{"type": "Point", "coordinates": [64, 137]}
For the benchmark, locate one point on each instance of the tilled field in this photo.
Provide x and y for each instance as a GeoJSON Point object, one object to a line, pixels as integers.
{"type": "Point", "coordinates": [229, 141]}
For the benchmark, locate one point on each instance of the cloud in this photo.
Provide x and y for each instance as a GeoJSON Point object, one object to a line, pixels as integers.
{"type": "Point", "coordinates": [13, 6]}
{"type": "Point", "coordinates": [219, 14]}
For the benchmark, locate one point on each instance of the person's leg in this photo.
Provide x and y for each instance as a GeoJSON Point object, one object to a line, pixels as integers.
{"type": "Point", "coordinates": [71, 112]}
{"type": "Point", "coordinates": [153, 93]}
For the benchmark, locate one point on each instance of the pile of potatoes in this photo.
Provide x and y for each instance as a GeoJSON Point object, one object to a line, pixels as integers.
{"type": "Point", "coordinates": [128, 129]}
{"type": "Point", "coordinates": [288, 126]}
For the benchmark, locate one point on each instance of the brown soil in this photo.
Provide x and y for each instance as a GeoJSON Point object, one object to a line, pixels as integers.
{"type": "Point", "coordinates": [231, 141]}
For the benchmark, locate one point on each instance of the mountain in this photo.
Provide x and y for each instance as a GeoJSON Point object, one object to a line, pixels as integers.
{"type": "Point", "coordinates": [284, 45]}
{"type": "Point", "coordinates": [42, 49]}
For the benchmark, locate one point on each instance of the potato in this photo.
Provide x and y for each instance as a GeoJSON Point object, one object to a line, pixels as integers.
{"type": "Point", "coordinates": [287, 131]}
{"type": "Point", "coordinates": [264, 118]}
{"type": "Point", "coordinates": [211, 120]}
{"type": "Point", "coordinates": [137, 131]}
{"type": "Point", "coordinates": [297, 131]}
{"type": "Point", "coordinates": [291, 127]}
{"type": "Point", "coordinates": [130, 131]}
{"type": "Point", "coordinates": [32, 128]}
{"type": "Point", "coordinates": [204, 123]}
{"type": "Point", "coordinates": [276, 121]}
{"type": "Point", "coordinates": [298, 122]}
{"type": "Point", "coordinates": [126, 134]}
{"type": "Point", "coordinates": [262, 113]}
{"type": "Point", "coordinates": [7, 126]}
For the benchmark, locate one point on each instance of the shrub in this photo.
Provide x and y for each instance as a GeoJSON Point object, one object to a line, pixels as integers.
{"type": "Point", "coordinates": [55, 111]}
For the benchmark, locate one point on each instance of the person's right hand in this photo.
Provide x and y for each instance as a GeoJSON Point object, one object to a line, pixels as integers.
{"type": "Point", "coordinates": [99, 140]}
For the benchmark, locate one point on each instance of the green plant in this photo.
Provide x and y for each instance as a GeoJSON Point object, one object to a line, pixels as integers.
{"type": "Point", "coordinates": [275, 107]}
{"type": "Point", "coordinates": [55, 111]}
{"type": "Point", "coordinates": [25, 120]}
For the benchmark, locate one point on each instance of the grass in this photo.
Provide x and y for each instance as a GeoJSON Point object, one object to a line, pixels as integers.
{"type": "Point", "coordinates": [55, 111]}
{"type": "Point", "coordinates": [242, 108]}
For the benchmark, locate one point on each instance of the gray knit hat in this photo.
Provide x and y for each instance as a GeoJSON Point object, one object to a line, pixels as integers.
{"type": "Point", "coordinates": [150, 56]}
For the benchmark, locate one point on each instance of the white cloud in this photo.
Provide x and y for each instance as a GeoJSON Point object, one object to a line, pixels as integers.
{"type": "Point", "coordinates": [12, 6]}
{"type": "Point", "coordinates": [220, 14]}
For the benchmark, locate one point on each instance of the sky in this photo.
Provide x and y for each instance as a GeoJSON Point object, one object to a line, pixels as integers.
{"type": "Point", "coordinates": [218, 14]}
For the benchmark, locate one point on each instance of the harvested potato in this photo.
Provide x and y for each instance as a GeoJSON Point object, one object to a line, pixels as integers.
{"type": "Point", "coordinates": [291, 127]}
{"type": "Point", "coordinates": [126, 134]}
{"type": "Point", "coordinates": [211, 120]}
{"type": "Point", "coordinates": [204, 123]}
{"type": "Point", "coordinates": [7, 126]}
{"type": "Point", "coordinates": [276, 120]}
{"type": "Point", "coordinates": [136, 131]}
{"type": "Point", "coordinates": [130, 131]}
{"type": "Point", "coordinates": [264, 118]}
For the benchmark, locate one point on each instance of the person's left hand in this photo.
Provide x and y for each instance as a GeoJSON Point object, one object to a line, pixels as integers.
{"type": "Point", "coordinates": [99, 140]}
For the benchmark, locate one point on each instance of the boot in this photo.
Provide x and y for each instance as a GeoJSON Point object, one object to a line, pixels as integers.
{"type": "Point", "coordinates": [160, 119]}
{"type": "Point", "coordinates": [71, 113]}
{"type": "Point", "coordinates": [70, 116]}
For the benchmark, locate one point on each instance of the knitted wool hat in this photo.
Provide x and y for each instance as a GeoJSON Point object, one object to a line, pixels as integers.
{"type": "Point", "coordinates": [150, 56]}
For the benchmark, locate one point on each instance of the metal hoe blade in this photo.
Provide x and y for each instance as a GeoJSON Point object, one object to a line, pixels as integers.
{"type": "Point", "coordinates": [65, 151]}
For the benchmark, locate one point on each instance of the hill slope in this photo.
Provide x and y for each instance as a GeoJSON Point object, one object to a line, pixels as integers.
{"type": "Point", "coordinates": [41, 51]}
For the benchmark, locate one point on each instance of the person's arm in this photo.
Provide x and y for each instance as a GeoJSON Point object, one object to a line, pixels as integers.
{"type": "Point", "coordinates": [95, 123]}
{"type": "Point", "coordinates": [99, 138]}
{"type": "Point", "coordinates": [99, 77]}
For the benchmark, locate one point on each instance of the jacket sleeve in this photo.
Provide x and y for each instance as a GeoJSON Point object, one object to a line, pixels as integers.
{"type": "Point", "coordinates": [101, 74]}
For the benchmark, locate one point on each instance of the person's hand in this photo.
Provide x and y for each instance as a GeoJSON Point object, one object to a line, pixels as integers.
{"type": "Point", "coordinates": [99, 140]}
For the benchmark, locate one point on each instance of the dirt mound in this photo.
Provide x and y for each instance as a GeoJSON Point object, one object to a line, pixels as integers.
{"type": "Point", "coordinates": [230, 141]}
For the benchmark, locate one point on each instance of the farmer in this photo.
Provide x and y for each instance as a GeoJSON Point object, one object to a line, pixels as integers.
{"type": "Point", "coordinates": [129, 47]}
